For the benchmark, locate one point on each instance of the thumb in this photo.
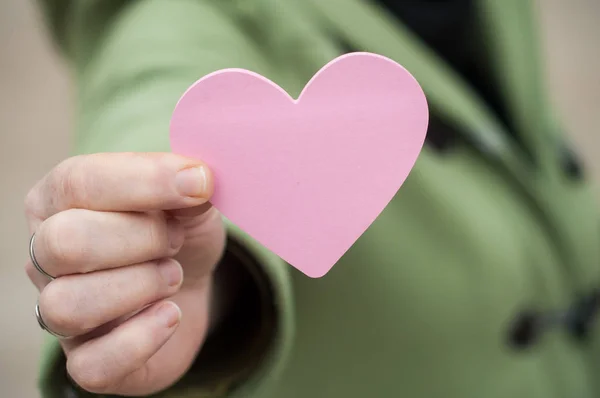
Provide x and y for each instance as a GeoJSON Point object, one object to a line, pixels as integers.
{"type": "Point", "coordinates": [204, 242]}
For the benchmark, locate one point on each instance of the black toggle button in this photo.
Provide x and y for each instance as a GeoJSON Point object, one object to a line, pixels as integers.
{"type": "Point", "coordinates": [570, 163]}
{"type": "Point", "coordinates": [441, 136]}
{"type": "Point", "coordinates": [529, 326]}
{"type": "Point", "coordinates": [582, 316]}
{"type": "Point", "coordinates": [526, 330]}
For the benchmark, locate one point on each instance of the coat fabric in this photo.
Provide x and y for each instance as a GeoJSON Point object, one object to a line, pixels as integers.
{"type": "Point", "coordinates": [479, 279]}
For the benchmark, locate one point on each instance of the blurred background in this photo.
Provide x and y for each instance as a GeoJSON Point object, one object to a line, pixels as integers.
{"type": "Point", "coordinates": [36, 108]}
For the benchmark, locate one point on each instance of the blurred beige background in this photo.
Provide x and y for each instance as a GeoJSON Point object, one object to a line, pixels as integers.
{"type": "Point", "coordinates": [35, 121]}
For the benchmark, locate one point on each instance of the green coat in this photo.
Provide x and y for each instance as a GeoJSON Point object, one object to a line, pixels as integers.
{"type": "Point", "coordinates": [424, 302]}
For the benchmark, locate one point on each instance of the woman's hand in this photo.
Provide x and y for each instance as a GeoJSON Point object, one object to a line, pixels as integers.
{"type": "Point", "coordinates": [119, 232]}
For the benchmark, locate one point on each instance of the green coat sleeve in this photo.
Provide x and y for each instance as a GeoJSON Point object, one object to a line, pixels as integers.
{"type": "Point", "coordinates": [132, 60]}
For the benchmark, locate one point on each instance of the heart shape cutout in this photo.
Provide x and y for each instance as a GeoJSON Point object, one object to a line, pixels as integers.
{"type": "Point", "coordinates": [305, 177]}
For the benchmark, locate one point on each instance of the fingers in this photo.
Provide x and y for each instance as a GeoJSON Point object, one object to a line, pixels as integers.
{"type": "Point", "coordinates": [121, 182]}
{"type": "Point", "coordinates": [189, 212]}
{"type": "Point", "coordinates": [101, 365]}
{"type": "Point", "coordinates": [76, 304]}
{"type": "Point", "coordinates": [80, 241]}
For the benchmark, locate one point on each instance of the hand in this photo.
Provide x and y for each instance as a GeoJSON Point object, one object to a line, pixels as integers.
{"type": "Point", "coordinates": [119, 232]}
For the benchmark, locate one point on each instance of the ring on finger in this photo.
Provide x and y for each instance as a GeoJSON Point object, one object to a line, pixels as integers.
{"type": "Point", "coordinates": [34, 260]}
{"type": "Point", "coordinates": [45, 327]}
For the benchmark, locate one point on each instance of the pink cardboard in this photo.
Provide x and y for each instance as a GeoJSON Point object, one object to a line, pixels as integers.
{"type": "Point", "coordinates": [305, 177]}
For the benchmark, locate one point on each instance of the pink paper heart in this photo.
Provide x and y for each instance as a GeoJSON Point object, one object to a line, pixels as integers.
{"type": "Point", "coordinates": [305, 177]}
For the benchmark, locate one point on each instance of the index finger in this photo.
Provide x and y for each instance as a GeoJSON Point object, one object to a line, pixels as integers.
{"type": "Point", "coordinates": [122, 182]}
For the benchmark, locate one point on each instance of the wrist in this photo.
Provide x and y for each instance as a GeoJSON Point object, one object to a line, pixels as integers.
{"type": "Point", "coordinates": [229, 281]}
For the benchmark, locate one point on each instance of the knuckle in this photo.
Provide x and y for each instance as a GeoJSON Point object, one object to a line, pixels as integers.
{"type": "Point", "coordinates": [58, 307]}
{"type": "Point", "coordinates": [160, 177]}
{"type": "Point", "coordinates": [138, 349]}
{"type": "Point", "coordinates": [61, 236]}
{"type": "Point", "coordinates": [70, 180]}
{"type": "Point", "coordinates": [35, 201]}
{"type": "Point", "coordinates": [88, 373]}
{"type": "Point", "coordinates": [148, 281]}
{"type": "Point", "coordinates": [73, 182]}
{"type": "Point", "coordinates": [158, 238]}
{"type": "Point", "coordinates": [30, 202]}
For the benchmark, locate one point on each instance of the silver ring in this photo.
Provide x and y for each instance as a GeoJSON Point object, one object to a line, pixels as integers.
{"type": "Point", "coordinates": [44, 326]}
{"type": "Point", "coordinates": [34, 260]}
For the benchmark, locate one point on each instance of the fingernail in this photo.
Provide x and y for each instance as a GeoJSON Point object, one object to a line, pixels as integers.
{"type": "Point", "coordinates": [169, 314]}
{"type": "Point", "coordinates": [175, 233]}
{"type": "Point", "coordinates": [171, 272]}
{"type": "Point", "coordinates": [192, 182]}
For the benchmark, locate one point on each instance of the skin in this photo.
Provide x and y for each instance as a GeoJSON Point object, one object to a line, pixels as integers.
{"type": "Point", "coordinates": [133, 244]}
